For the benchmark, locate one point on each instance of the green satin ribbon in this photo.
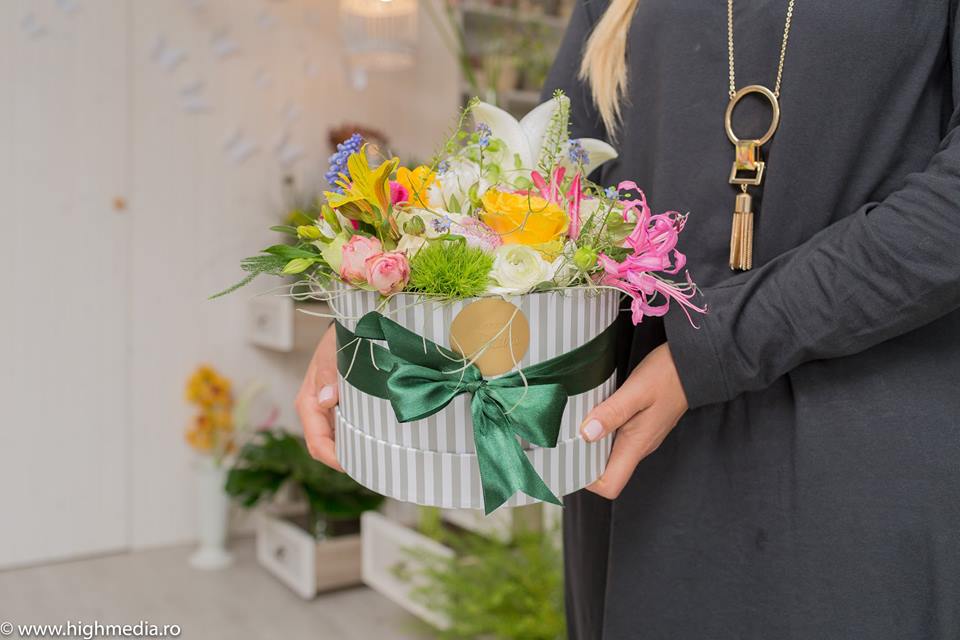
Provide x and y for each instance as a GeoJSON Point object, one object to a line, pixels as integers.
{"type": "Point", "coordinates": [420, 378]}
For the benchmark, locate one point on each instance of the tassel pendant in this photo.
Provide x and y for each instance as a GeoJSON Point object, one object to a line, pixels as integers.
{"type": "Point", "coordinates": [747, 171]}
{"type": "Point", "coordinates": [741, 234]}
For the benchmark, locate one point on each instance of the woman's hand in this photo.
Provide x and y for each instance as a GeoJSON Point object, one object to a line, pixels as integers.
{"type": "Point", "coordinates": [645, 409]}
{"type": "Point", "coordinates": [317, 397]}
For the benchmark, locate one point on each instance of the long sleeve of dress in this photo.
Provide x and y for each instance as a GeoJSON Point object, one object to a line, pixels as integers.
{"type": "Point", "coordinates": [888, 269]}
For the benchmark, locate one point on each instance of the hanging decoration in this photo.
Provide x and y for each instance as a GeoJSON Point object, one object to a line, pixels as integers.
{"type": "Point", "coordinates": [378, 35]}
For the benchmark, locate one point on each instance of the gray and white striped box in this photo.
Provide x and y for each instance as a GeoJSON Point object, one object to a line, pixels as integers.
{"type": "Point", "coordinates": [433, 461]}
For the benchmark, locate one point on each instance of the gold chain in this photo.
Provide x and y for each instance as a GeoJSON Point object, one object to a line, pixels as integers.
{"type": "Point", "coordinates": [783, 49]}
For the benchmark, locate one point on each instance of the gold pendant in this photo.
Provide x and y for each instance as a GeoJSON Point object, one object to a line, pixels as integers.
{"type": "Point", "coordinates": [747, 171]}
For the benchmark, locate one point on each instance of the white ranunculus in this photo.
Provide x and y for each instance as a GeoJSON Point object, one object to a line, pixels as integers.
{"type": "Point", "coordinates": [518, 268]}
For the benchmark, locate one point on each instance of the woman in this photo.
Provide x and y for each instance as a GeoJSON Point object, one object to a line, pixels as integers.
{"type": "Point", "coordinates": [800, 451]}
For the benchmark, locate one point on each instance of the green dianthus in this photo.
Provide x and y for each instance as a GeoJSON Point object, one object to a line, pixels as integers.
{"type": "Point", "coordinates": [450, 269]}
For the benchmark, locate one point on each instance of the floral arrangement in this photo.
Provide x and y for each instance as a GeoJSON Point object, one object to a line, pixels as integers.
{"type": "Point", "coordinates": [211, 431]}
{"type": "Point", "coordinates": [505, 208]}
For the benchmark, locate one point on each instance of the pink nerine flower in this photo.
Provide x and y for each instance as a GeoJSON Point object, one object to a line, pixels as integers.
{"type": "Point", "coordinates": [388, 272]}
{"type": "Point", "coordinates": [653, 241]}
{"type": "Point", "coordinates": [398, 193]}
{"type": "Point", "coordinates": [553, 192]}
{"type": "Point", "coordinates": [355, 254]}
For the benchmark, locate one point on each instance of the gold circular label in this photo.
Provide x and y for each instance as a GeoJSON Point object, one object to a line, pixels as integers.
{"type": "Point", "coordinates": [494, 332]}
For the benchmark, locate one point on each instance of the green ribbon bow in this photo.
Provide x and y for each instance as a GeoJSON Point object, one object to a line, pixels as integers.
{"type": "Point", "coordinates": [420, 378]}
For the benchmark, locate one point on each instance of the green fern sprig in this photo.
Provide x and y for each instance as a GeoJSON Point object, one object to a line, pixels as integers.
{"type": "Point", "coordinates": [254, 266]}
{"type": "Point", "coordinates": [557, 136]}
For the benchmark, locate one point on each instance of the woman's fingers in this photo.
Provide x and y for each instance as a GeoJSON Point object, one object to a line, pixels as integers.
{"type": "Point", "coordinates": [315, 401]}
{"type": "Point", "coordinates": [328, 394]}
{"type": "Point", "coordinates": [645, 409]}
{"type": "Point", "coordinates": [615, 411]}
{"type": "Point", "coordinates": [318, 432]}
{"type": "Point", "coordinates": [325, 371]}
{"type": "Point", "coordinates": [635, 441]}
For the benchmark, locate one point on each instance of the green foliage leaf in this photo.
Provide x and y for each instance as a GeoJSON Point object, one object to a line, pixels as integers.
{"type": "Point", "coordinates": [285, 228]}
{"type": "Point", "coordinates": [275, 458]}
{"type": "Point", "coordinates": [298, 265]}
{"type": "Point", "coordinates": [454, 204]}
{"type": "Point", "coordinates": [289, 252]}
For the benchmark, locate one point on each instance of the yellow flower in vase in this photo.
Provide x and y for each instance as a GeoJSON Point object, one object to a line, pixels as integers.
{"type": "Point", "coordinates": [200, 435]}
{"type": "Point", "coordinates": [207, 388]}
{"type": "Point", "coordinates": [526, 219]}
{"type": "Point", "coordinates": [211, 429]}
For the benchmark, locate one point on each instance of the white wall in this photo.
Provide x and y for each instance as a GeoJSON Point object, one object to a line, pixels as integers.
{"type": "Point", "coordinates": [63, 314]}
{"type": "Point", "coordinates": [192, 211]}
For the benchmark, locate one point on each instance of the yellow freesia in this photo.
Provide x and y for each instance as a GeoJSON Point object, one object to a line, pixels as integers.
{"type": "Point", "coordinates": [417, 183]}
{"type": "Point", "coordinates": [366, 192]}
{"type": "Point", "coordinates": [524, 219]}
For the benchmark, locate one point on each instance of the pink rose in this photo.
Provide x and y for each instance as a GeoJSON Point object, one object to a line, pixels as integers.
{"type": "Point", "coordinates": [355, 254]}
{"type": "Point", "coordinates": [388, 272]}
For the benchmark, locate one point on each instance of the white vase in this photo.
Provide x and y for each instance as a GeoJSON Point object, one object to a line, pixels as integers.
{"type": "Point", "coordinates": [213, 511]}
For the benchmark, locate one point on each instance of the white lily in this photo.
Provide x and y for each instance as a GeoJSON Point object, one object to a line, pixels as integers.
{"type": "Point", "coordinates": [526, 137]}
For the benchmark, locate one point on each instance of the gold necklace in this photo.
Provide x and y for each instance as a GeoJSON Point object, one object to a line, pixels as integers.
{"type": "Point", "coordinates": [748, 157]}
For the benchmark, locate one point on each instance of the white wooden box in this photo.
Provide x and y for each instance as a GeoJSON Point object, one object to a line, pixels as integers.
{"type": "Point", "coordinates": [304, 564]}
{"type": "Point", "coordinates": [386, 545]}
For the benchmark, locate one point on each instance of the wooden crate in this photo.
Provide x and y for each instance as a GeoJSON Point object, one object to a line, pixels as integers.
{"type": "Point", "coordinates": [304, 564]}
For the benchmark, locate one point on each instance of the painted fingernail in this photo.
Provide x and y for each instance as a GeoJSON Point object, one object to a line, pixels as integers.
{"type": "Point", "coordinates": [325, 395]}
{"type": "Point", "coordinates": [592, 430]}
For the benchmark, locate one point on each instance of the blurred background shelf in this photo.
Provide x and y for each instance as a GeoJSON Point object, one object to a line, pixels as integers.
{"type": "Point", "coordinates": [505, 12]}
{"type": "Point", "coordinates": [508, 47]}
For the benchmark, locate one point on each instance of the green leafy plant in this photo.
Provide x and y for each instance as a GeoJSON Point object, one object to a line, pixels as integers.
{"type": "Point", "coordinates": [274, 458]}
{"type": "Point", "coordinates": [450, 269]}
{"type": "Point", "coordinates": [491, 588]}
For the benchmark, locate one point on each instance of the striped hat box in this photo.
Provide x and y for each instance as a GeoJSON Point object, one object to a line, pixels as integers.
{"type": "Point", "coordinates": [432, 461]}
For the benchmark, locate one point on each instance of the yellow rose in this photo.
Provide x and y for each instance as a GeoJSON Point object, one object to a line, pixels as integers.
{"type": "Point", "coordinates": [523, 219]}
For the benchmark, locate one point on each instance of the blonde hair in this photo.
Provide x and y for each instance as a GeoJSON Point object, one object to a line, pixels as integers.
{"type": "Point", "coordinates": [604, 64]}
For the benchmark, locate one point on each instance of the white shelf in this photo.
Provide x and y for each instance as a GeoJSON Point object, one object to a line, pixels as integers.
{"type": "Point", "coordinates": [478, 8]}
{"type": "Point", "coordinates": [277, 323]}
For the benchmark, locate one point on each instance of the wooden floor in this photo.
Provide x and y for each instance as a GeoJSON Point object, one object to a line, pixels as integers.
{"type": "Point", "coordinates": [239, 603]}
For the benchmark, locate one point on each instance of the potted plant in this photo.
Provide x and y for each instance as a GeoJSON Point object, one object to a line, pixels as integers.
{"type": "Point", "coordinates": [211, 433]}
{"type": "Point", "coordinates": [468, 585]}
{"type": "Point", "coordinates": [315, 550]}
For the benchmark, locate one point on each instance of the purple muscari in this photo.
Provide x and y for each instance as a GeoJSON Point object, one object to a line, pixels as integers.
{"type": "Point", "coordinates": [612, 193]}
{"type": "Point", "coordinates": [338, 161]}
{"type": "Point", "coordinates": [578, 155]}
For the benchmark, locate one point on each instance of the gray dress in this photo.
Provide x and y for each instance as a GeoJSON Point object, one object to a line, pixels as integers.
{"type": "Point", "coordinates": [813, 489]}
